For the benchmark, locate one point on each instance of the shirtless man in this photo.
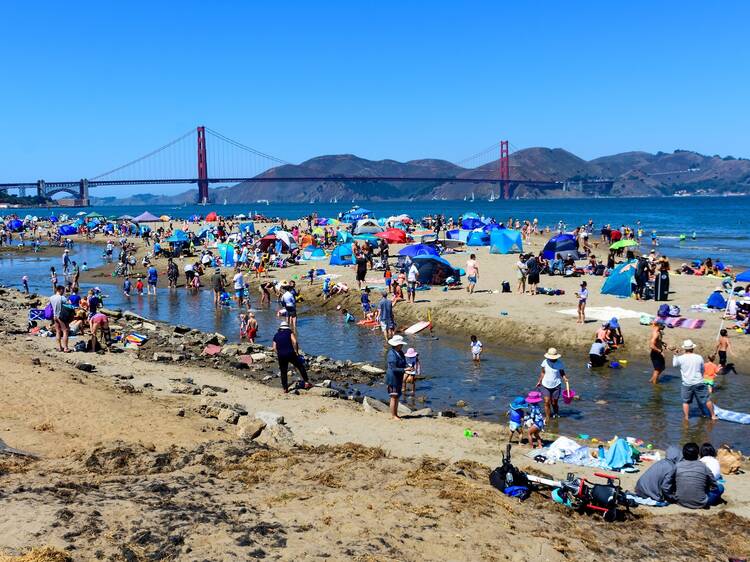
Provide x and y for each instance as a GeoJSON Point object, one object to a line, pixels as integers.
{"type": "Point", "coordinates": [656, 346]}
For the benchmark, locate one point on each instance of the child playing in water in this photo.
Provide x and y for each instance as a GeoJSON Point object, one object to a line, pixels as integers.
{"type": "Point", "coordinates": [413, 369]}
{"type": "Point", "coordinates": [534, 421]}
{"type": "Point", "coordinates": [347, 317]}
{"type": "Point", "coordinates": [723, 347]}
{"type": "Point", "coordinates": [366, 306]}
{"type": "Point", "coordinates": [25, 282]}
{"type": "Point", "coordinates": [476, 349]}
{"type": "Point", "coordinates": [388, 276]}
{"type": "Point", "coordinates": [127, 287]}
{"type": "Point", "coordinates": [710, 370]}
{"type": "Point", "coordinates": [225, 299]}
{"type": "Point", "coordinates": [311, 275]}
{"type": "Point", "coordinates": [139, 286]}
{"type": "Point", "coordinates": [515, 415]}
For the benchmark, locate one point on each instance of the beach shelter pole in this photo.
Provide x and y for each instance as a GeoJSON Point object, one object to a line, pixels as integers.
{"type": "Point", "coordinates": [726, 311]}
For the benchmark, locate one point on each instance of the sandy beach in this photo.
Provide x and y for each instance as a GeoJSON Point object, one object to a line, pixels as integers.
{"type": "Point", "coordinates": [129, 469]}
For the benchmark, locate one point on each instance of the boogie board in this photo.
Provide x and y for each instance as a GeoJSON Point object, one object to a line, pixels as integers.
{"type": "Point", "coordinates": [368, 323]}
{"type": "Point", "coordinates": [730, 416]}
{"type": "Point", "coordinates": [418, 327]}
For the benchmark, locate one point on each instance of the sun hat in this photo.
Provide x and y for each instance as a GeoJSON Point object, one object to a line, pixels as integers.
{"type": "Point", "coordinates": [284, 326]}
{"type": "Point", "coordinates": [518, 403]}
{"type": "Point", "coordinates": [396, 340]}
{"type": "Point", "coordinates": [614, 323]}
{"type": "Point", "coordinates": [688, 344]}
{"type": "Point", "coordinates": [533, 397]}
{"type": "Point", "coordinates": [552, 354]}
{"type": "Point", "coordinates": [411, 352]}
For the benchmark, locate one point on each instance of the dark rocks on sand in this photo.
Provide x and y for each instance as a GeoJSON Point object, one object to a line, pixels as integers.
{"type": "Point", "coordinates": [86, 367]}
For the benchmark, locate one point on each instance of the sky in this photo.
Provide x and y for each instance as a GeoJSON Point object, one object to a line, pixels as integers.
{"type": "Point", "coordinates": [87, 86]}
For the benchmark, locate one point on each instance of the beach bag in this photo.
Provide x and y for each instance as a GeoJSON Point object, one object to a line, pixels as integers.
{"type": "Point", "coordinates": [663, 311]}
{"type": "Point", "coordinates": [506, 475]}
{"type": "Point", "coordinates": [49, 313]}
{"type": "Point", "coordinates": [506, 287]}
{"type": "Point", "coordinates": [67, 313]}
{"type": "Point", "coordinates": [729, 460]}
{"type": "Point", "coordinates": [674, 311]}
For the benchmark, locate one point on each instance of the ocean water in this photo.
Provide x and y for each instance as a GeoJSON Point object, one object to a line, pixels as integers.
{"type": "Point", "coordinates": [719, 223]}
{"type": "Point", "coordinates": [615, 402]}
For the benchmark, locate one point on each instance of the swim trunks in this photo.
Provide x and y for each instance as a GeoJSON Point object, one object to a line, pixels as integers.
{"type": "Point", "coordinates": [657, 360]}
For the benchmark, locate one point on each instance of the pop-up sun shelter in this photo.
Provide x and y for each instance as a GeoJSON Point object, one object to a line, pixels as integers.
{"type": "Point", "coordinates": [66, 230]}
{"type": "Point", "coordinates": [311, 253]}
{"type": "Point", "coordinates": [503, 241]}
{"type": "Point", "coordinates": [146, 217]}
{"type": "Point", "coordinates": [478, 237]}
{"type": "Point", "coordinates": [226, 253]}
{"type": "Point", "coordinates": [434, 270]}
{"type": "Point", "coordinates": [620, 281]}
{"type": "Point", "coordinates": [562, 243]}
{"type": "Point", "coordinates": [471, 224]}
{"type": "Point", "coordinates": [177, 237]}
{"type": "Point", "coordinates": [418, 250]}
{"type": "Point", "coordinates": [367, 226]}
{"type": "Point", "coordinates": [342, 255]}
{"type": "Point", "coordinates": [344, 236]}
{"type": "Point", "coordinates": [716, 300]}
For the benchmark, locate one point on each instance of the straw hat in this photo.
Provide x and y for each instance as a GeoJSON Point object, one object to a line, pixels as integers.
{"type": "Point", "coordinates": [411, 352]}
{"type": "Point", "coordinates": [688, 344]}
{"type": "Point", "coordinates": [552, 354]}
{"type": "Point", "coordinates": [534, 397]}
{"type": "Point", "coordinates": [396, 341]}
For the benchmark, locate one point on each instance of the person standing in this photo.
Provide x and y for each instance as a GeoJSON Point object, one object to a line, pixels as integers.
{"type": "Point", "coordinates": [550, 382]}
{"type": "Point", "coordinates": [289, 301]}
{"type": "Point", "coordinates": [152, 277]}
{"type": "Point", "coordinates": [239, 286]}
{"type": "Point", "coordinates": [656, 348]}
{"type": "Point", "coordinates": [533, 269]}
{"type": "Point", "coordinates": [361, 261]}
{"type": "Point", "coordinates": [172, 273]}
{"type": "Point", "coordinates": [57, 300]}
{"type": "Point", "coordinates": [693, 387]}
{"type": "Point", "coordinates": [521, 274]}
{"type": "Point", "coordinates": [217, 283]}
{"type": "Point", "coordinates": [411, 282]}
{"type": "Point", "coordinates": [286, 346]}
{"type": "Point", "coordinates": [394, 374]}
{"type": "Point", "coordinates": [472, 272]}
{"type": "Point", "coordinates": [385, 316]}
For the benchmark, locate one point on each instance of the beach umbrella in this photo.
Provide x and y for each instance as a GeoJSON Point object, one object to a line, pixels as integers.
{"type": "Point", "coordinates": [393, 236]}
{"type": "Point", "coordinates": [125, 218]}
{"type": "Point", "coordinates": [81, 214]}
{"type": "Point", "coordinates": [560, 244]}
{"type": "Point", "coordinates": [623, 244]}
{"type": "Point", "coordinates": [418, 250]}
{"type": "Point", "coordinates": [53, 219]}
{"type": "Point", "coordinates": [145, 217]}
{"type": "Point", "coordinates": [318, 231]}
{"type": "Point", "coordinates": [286, 238]}
{"type": "Point", "coordinates": [502, 241]}
{"type": "Point", "coordinates": [743, 277]}
{"type": "Point", "coordinates": [15, 225]}
{"type": "Point", "coordinates": [212, 217]}
{"type": "Point", "coordinates": [164, 218]}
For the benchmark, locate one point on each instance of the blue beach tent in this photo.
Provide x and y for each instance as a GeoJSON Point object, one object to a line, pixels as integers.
{"type": "Point", "coordinates": [452, 234]}
{"type": "Point", "coordinates": [344, 237]}
{"type": "Point", "coordinates": [434, 270]}
{"type": "Point", "coordinates": [342, 255]}
{"type": "Point", "coordinates": [15, 225]}
{"type": "Point", "coordinates": [559, 244]}
{"type": "Point", "coordinates": [743, 277]}
{"type": "Point", "coordinates": [226, 253]}
{"type": "Point", "coordinates": [471, 224]}
{"type": "Point", "coordinates": [178, 236]}
{"type": "Point", "coordinates": [418, 250]}
{"type": "Point", "coordinates": [247, 227]}
{"type": "Point", "coordinates": [620, 281]}
{"type": "Point", "coordinates": [478, 237]}
{"type": "Point", "coordinates": [66, 230]}
{"type": "Point", "coordinates": [311, 253]}
{"type": "Point", "coordinates": [503, 241]}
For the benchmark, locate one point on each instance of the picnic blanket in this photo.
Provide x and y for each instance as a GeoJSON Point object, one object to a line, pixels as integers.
{"type": "Point", "coordinates": [687, 323]}
{"type": "Point", "coordinates": [604, 313]}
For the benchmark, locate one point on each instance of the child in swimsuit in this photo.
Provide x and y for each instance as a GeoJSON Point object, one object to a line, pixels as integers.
{"type": "Point", "coordinates": [413, 369]}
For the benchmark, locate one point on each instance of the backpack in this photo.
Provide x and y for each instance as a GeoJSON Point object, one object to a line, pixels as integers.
{"type": "Point", "coordinates": [507, 475]}
{"type": "Point", "coordinates": [674, 310]}
{"type": "Point", "coordinates": [663, 311]}
{"type": "Point", "coordinates": [506, 287]}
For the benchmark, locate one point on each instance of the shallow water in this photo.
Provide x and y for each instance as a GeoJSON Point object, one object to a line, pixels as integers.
{"type": "Point", "coordinates": [633, 407]}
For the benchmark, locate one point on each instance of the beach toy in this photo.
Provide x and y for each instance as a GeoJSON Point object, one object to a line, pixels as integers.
{"type": "Point", "coordinates": [624, 362]}
{"type": "Point", "coordinates": [583, 436]}
{"type": "Point", "coordinates": [649, 446]}
{"type": "Point", "coordinates": [614, 365]}
{"type": "Point", "coordinates": [568, 394]}
{"type": "Point", "coordinates": [503, 313]}
{"type": "Point", "coordinates": [594, 440]}
{"type": "Point", "coordinates": [468, 433]}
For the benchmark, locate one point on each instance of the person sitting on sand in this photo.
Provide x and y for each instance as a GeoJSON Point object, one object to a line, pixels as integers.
{"type": "Point", "coordinates": [657, 483]}
{"type": "Point", "coordinates": [534, 420]}
{"type": "Point", "coordinates": [695, 485]}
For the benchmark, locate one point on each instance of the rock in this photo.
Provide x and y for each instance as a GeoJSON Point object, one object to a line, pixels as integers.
{"type": "Point", "coordinates": [371, 370]}
{"type": "Point", "coordinates": [132, 316]}
{"type": "Point", "coordinates": [373, 405]}
{"type": "Point", "coordinates": [239, 365]}
{"type": "Point", "coordinates": [246, 359]}
{"type": "Point", "coordinates": [148, 326]}
{"type": "Point", "coordinates": [230, 349]}
{"type": "Point", "coordinates": [211, 350]}
{"type": "Point", "coordinates": [162, 357]}
{"type": "Point", "coordinates": [267, 378]}
{"type": "Point", "coordinates": [126, 387]}
{"type": "Point", "coordinates": [321, 359]}
{"type": "Point", "coordinates": [36, 361]}
{"type": "Point", "coordinates": [447, 414]}
{"type": "Point", "coordinates": [325, 392]}
{"type": "Point", "coordinates": [215, 388]}
{"type": "Point", "coordinates": [277, 436]}
{"type": "Point", "coordinates": [178, 357]}
{"type": "Point", "coordinates": [215, 339]}
{"type": "Point", "coordinates": [271, 419]}
{"type": "Point", "coordinates": [111, 313]}
{"type": "Point", "coordinates": [228, 415]}
{"type": "Point", "coordinates": [185, 388]}
{"type": "Point", "coordinates": [86, 367]}
{"type": "Point", "coordinates": [250, 428]}
{"type": "Point", "coordinates": [258, 357]}
{"type": "Point", "coordinates": [180, 412]}
{"type": "Point", "coordinates": [207, 392]}
{"type": "Point", "coordinates": [423, 413]}
{"type": "Point", "coordinates": [403, 410]}
{"type": "Point", "coordinates": [181, 330]}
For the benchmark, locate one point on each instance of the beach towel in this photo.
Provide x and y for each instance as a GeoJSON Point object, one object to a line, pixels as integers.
{"type": "Point", "coordinates": [37, 314]}
{"type": "Point", "coordinates": [730, 416]}
{"type": "Point", "coordinates": [687, 323]}
{"type": "Point", "coordinates": [604, 313]}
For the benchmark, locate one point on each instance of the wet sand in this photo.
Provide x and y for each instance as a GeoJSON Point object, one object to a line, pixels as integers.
{"type": "Point", "coordinates": [129, 470]}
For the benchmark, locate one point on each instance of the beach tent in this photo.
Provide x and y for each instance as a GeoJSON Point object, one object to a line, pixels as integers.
{"type": "Point", "coordinates": [470, 215]}
{"type": "Point", "coordinates": [492, 226]}
{"type": "Point", "coordinates": [367, 226]}
{"type": "Point", "coordinates": [743, 277]}
{"type": "Point", "coordinates": [620, 281]}
{"type": "Point", "coordinates": [267, 241]}
{"type": "Point", "coordinates": [478, 237]}
{"type": "Point", "coordinates": [471, 223]}
{"type": "Point", "coordinates": [286, 238]}
{"type": "Point", "coordinates": [342, 255]}
{"type": "Point", "coordinates": [66, 230]}
{"type": "Point", "coordinates": [716, 300]}
{"type": "Point", "coordinates": [434, 270]}
{"type": "Point", "coordinates": [125, 218]}
{"type": "Point", "coordinates": [393, 236]}
{"type": "Point", "coordinates": [312, 253]}
{"type": "Point", "coordinates": [247, 227]}
{"type": "Point", "coordinates": [273, 229]}
{"type": "Point", "coordinates": [418, 250]}
{"type": "Point", "coordinates": [53, 219]}
{"type": "Point", "coordinates": [357, 214]}
{"type": "Point", "coordinates": [344, 236]}
{"type": "Point", "coordinates": [194, 218]}
{"type": "Point", "coordinates": [212, 217]}
{"type": "Point", "coordinates": [502, 241]}
{"type": "Point", "coordinates": [226, 253]}
{"type": "Point", "coordinates": [15, 225]}
{"type": "Point", "coordinates": [560, 243]}
{"type": "Point", "coordinates": [371, 238]}
{"type": "Point", "coordinates": [178, 236]}
{"type": "Point", "coordinates": [452, 234]}
{"type": "Point", "coordinates": [146, 217]}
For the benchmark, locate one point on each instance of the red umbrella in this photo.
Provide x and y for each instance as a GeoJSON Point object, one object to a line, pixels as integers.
{"type": "Point", "coordinates": [393, 236]}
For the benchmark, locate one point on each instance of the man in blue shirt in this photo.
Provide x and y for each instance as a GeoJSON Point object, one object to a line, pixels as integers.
{"type": "Point", "coordinates": [153, 277]}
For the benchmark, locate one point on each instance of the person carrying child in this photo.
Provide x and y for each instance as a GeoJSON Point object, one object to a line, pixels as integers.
{"type": "Point", "coordinates": [534, 421]}
{"type": "Point", "coordinates": [515, 414]}
{"type": "Point", "coordinates": [413, 369]}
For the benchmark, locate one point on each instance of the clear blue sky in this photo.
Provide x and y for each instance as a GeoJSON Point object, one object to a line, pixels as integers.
{"type": "Point", "coordinates": [87, 86]}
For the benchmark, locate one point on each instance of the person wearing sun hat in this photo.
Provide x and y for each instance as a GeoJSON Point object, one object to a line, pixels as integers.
{"type": "Point", "coordinates": [693, 387]}
{"type": "Point", "coordinates": [534, 420]}
{"type": "Point", "coordinates": [516, 413]}
{"type": "Point", "coordinates": [394, 373]}
{"type": "Point", "coordinates": [550, 382]}
{"type": "Point", "coordinates": [413, 369]}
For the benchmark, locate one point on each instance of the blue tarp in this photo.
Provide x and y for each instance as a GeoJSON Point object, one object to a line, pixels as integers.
{"type": "Point", "coordinates": [743, 277]}
{"type": "Point", "coordinates": [478, 238]}
{"type": "Point", "coordinates": [452, 234]}
{"type": "Point", "coordinates": [559, 244]}
{"type": "Point", "coordinates": [418, 250]}
{"type": "Point", "coordinates": [342, 255]}
{"type": "Point", "coordinates": [502, 241]}
{"type": "Point", "coordinates": [226, 253]}
{"type": "Point", "coordinates": [434, 270]}
{"type": "Point", "coordinates": [66, 230]}
{"type": "Point", "coordinates": [716, 300]}
{"type": "Point", "coordinates": [620, 281]}
{"type": "Point", "coordinates": [178, 236]}
{"type": "Point", "coordinates": [355, 215]}
{"type": "Point", "coordinates": [15, 225]}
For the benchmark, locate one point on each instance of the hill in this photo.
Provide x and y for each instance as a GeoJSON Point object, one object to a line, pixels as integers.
{"type": "Point", "coordinates": [630, 173]}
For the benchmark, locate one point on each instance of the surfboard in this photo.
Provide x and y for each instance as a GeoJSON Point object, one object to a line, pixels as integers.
{"type": "Point", "coordinates": [418, 327]}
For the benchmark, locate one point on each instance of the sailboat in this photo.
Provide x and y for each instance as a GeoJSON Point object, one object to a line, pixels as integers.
{"type": "Point", "coordinates": [492, 197]}
{"type": "Point", "coordinates": [472, 197]}
{"type": "Point", "coordinates": [225, 200]}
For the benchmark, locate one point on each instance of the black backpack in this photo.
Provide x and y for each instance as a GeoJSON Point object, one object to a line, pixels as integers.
{"type": "Point", "coordinates": [506, 287]}
{"type": "Point", "coordinates": [507, 475]}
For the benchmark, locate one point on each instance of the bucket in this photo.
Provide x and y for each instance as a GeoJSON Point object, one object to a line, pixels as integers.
{"type": "Point", "coordinates": [568, 394]}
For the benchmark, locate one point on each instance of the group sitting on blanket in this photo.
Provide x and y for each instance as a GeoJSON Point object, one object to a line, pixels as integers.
{"type": "Point", "coordinates": [691, 478]}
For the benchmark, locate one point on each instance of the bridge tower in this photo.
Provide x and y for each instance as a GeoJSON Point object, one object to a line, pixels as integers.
{"type": "Point", "coordinates": [83, 192]}
{"type": "Point", "coordinates": [202, 166]}
{"type": "Point", "coordinates": [505, 169]}
{"type": "Point", "coordinates": [41, 189]}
